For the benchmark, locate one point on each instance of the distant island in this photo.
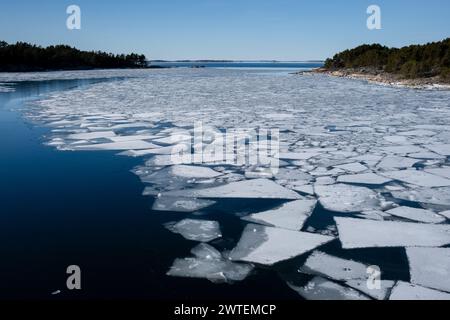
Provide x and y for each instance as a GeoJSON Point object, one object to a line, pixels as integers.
{"type": "Point", "coordinates": [413, 65]}
{"type": "Point", "coordinates": [27, 57]}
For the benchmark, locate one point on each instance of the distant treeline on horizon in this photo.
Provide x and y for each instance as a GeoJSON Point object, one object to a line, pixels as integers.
{"type": "Point", "coordinates": [27, 57]}
{"type": "Point", "coordinates": [415, 61]}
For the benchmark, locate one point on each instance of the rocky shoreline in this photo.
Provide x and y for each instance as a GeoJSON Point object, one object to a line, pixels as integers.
{"type": "Point", "coordinates": [383, 78]}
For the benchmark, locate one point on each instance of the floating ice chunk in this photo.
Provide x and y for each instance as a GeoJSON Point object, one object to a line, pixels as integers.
{"type": "Point", "coordinates": [173, 139]}
{"type": "Point", "coordinates": [364, 178]}
{"type": "Point", "coordinates": [291, 215]}
{"type": "Point", "coordinates": [209, 264]}
{"type": "Point", "coordinates": [443, 172]}
{"type": "Point", "coordinates": [186, 171]}
{"type": "Point", "coordinates": [395, 162]}
{"type": "Point", "coordinates": [437, 196]}
{"type": "Point", "coordinates": [407, 291]}
{"type": "Point", "coordinates": [115, 146]}
{"type": "Point", "coordinates": [131, 138]}
{"type": "Point", "coordinates": [443, 149]}
{"type": "Point", "coordinates": [257, 188]}
{"type": "Point", "coordinates": [416, 214]}
{"type": "Point", "coordinates": [321, 289]}
{"type": "Point", "coordinates": [352, 167]}
{"type": "Point", "coordinates": [373, 215]}
{"type": "Point", "coordinates": [417, 177]}
{"type": "Point", "coordinates": [359, 233]}
{"type": "Point", "coordinates": [430, 267]}
{"type": "Point", "coordinates": [196, 230]}
{"type": "Point", "coordinates": [347, 198]}
{"type": "Point", "coordinates": [322, 264]}
{"type": "Point", "coordinates": [396, 139]}
{"type": "Point", "coordinates": [297, 155]}
{"type": "Point", "coordinates": [405, 149]}
{"type": "Point", "coordinates": [267, 245]}
{"type": "Point", "coordinates": [180, 204]}
{"type": "Point", "coordinates": [418, 133]}
{"type": "Point", "coordinates": [91, 135]}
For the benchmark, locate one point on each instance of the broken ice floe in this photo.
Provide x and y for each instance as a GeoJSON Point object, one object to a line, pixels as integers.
{"type": "Point", "coordinates": [360, 233]}
{"type": "Point", "coordinates": [443, 149]}
{"type": "Point", "coordinates": [196, 230]}
{"type": "Point", "coordinates": [380, 293]}
{"type": "Point", "coordinates": [175, 204]}
{"type": "Point", "coordinates": [347, 198]}
{"type": "Point", "coordinates": [208, 263]}
{"type": "Point", "coordinates": [443, 172]}
{"type": "Point", "coordinates": [430, 267]}
{"type": "Point", "coordinates": [257, 189]}
{"type": "Point", "coordinates": [267, 245]}
{"type": "Point", "coordinates": [407, 291]}
{"type": "Point", "coordinates": [434, 196]}
{"type": "Point", "coordinates": [418, 177]}
{"type": "Point", "coordinates": [321, 289]}
{"type": "Point", "coordinates": [291, 215]}
{"type": "Point", "coordinates": [417, 214]}
{"type": "Point", "coordinates": [364, 178]}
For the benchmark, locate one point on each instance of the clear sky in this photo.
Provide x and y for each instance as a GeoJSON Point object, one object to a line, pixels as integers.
{"type": "Point", "coordinates": [224, 29]}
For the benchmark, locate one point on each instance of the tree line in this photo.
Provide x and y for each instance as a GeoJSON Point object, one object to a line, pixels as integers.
{"type": "Point", "coordinates": [23, 56]}
{"type": "Point", "coordinates": [415, 61]}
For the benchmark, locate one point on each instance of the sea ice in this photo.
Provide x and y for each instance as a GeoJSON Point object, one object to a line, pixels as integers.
{"type": "Point", "coordinates": [174, 204]}
{"type": "Point", "coordinates": [291, 215]}
{"type": "Point", "coordinates": [321, 289]}
{"type": "Point", "coordinates": [208, 263]}
{"type": "Point", "coordinates": [190, 172]}
{"type": "Point", "coordinates": [322, 264]}
{"type": "Point", "coordinates": [435, 196]}
{"type": "Point", "coordinates": [267, 245]}
{"type": "Point", "coordinates": [416, 214]}
{"type": "Point", "coordinates": [115, 146]}
{"type": "Point", "coordinates": [395, 162]}
{"type": "Point", "coordinates": [352, 167]}
{"type": "Point", "coordinates": [196, 230]}
{"type": "Point", "coordinates": [361, 233]}
{"type": "Point", "coordinates": [443, 172]}
{"type": "Point", "coordinates": [407, 291]}
{"type": "Point", "coordinates": [443, 149]}
{"type": "Point", "coordinates": [364, 178]}
{"type": "Point", "coordinates": [430, 267]}
{"type": "Point", "coordinates": [91, 135]}
{"type": "Point", "coordinates": [256, 188]}
{"type": "Point", "coordinates": [380, 294]}
{"type": "Point", "coordinates": [347, 198]}
{"type": "Point", "coordinates": [417, 177]}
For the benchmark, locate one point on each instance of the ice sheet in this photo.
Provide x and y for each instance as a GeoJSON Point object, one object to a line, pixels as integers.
{"type": "Point", "coordinates": [364, 178]}
{"type": "Point", "coordinates": [360, 233]}
{"type": "Point", "coordinates": [417, 177]}
{"type": "Point", "coordinates": [196, 230]}
{"type": "Point", "coordinates": [407, 291]}
{"type": "Point", "coordinates": [416, 214]}
{"type": "Point", "coordinates": [291, 215]}
{"type": "Point", "coordinates": [267, 245]}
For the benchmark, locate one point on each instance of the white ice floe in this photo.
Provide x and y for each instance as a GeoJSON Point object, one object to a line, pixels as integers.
{"type": "Point", "coordinates": [430, 267]}
{"type": "Point", "coordinates": [186, 171]}
{"type": "Point", "coordinates": [355, 167]}
{"type": "Point", "coordinates": [416, 214]}
{"type": "Point", "coordinates": [443, 172]}
{"type": "Point", "coordinates": [174, 204]}
{"type": "Point", "coordinates": [381, 293]}
{"type": "Point", "coordinates": [305, 189]}
{"type": "Point", "coordinates": [407, 291]}
{"type": "Point", "coordinates": [347, 198]}
{"type": "Point", "coordinates": [267, 245]}
{"type": "Point", "coordinates": [291, 215]}
{"type": "Point", "coordinates": [196, 230]}
{"type": "Point", "coordinates": [364, 178]}
{"type": "Point", "coordinates": [322, 264]}
{"type": "Point", "coordinates": [426, 155]}
{"type": "Point", "coordinates": [434, 196]}
{"type": "Point", "coordinates": [297, 155]}
{"type": "Point", "coordinates": [361, 233]}
{"type": "Point", "coordinates": [417, 177]}
{"type": "Point", "coordinates": [116, 146]}
{"type": "Point", "coordinates": [404, 149]}
{"type": "Point", "coordinates": [208, 263]}
{"type": "Point", "coordinates": [321, 289]}
{"type": "Point", "coordinates": [445, 214]}
{"type": "Point", "coordinates": [443, 149]}
{"type": "Point", "coordinates": [91, 135]}
{"type": "Point", "coordinates": [257, 189]}
{"type": "Point", "coordinates": [395, 162]}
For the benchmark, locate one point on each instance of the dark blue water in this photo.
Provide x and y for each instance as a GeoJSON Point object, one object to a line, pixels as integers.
{"type": "Point", "coordinates": [239, 64]}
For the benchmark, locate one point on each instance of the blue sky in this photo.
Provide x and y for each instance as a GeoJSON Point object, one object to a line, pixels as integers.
{"type": "Point", "coordinates": [224, 29]}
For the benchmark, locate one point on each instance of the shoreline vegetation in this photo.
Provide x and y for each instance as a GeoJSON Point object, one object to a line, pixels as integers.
{"type": "Point", "coordinates": [25, 57]}
{"type": "Point", "coordinates": [416, 66]}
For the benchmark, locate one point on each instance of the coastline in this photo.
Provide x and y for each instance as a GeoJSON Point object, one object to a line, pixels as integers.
{"type": "Point", "coordinates": [383, 78]}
